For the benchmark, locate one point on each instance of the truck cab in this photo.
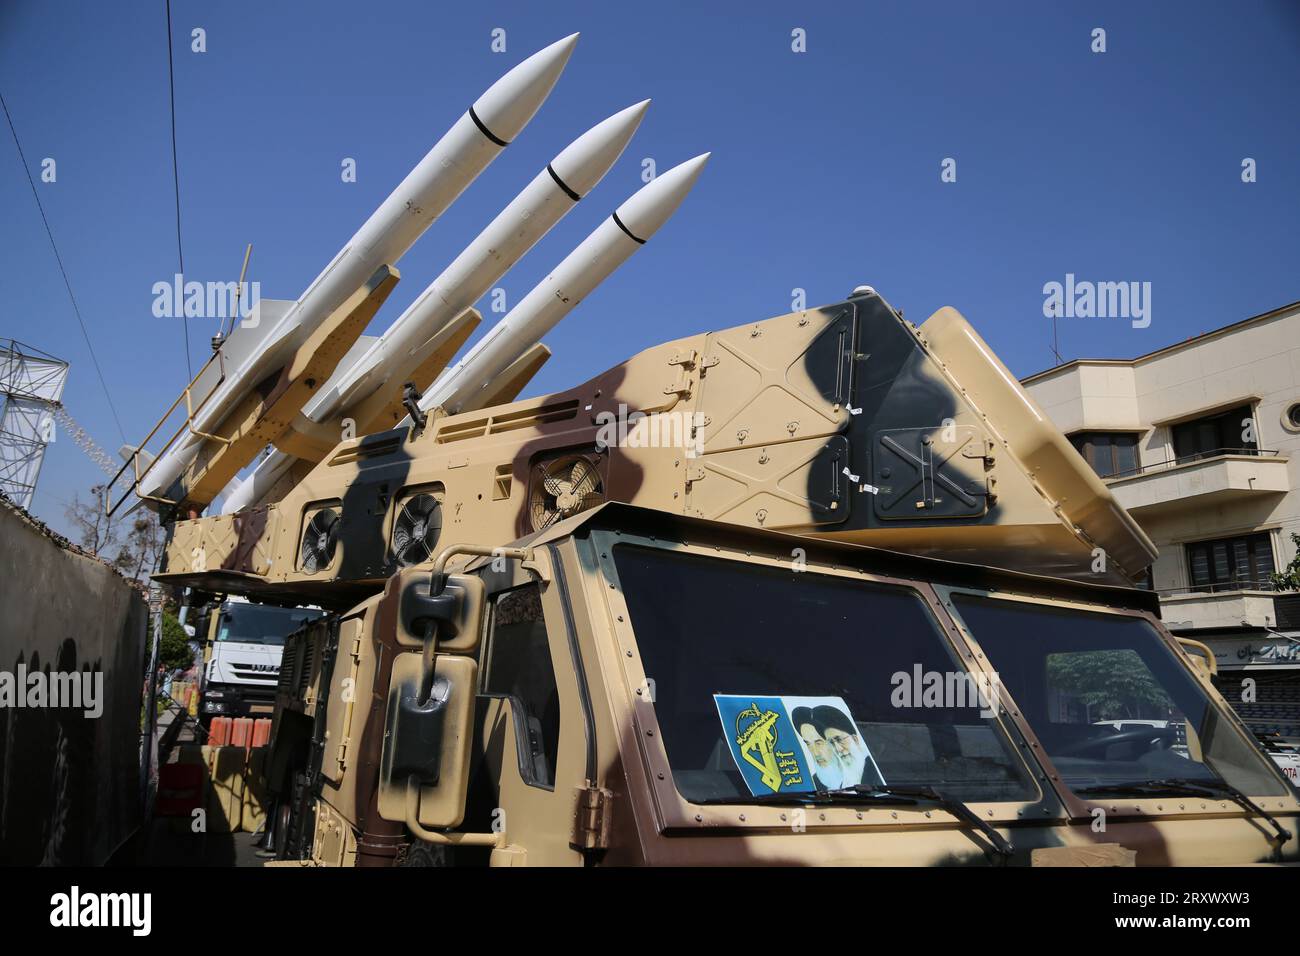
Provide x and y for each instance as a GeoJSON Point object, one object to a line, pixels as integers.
{"type": "Point", "coordinates": [242, 656]}
{"type": "Point", "coordinates": [630, 687]}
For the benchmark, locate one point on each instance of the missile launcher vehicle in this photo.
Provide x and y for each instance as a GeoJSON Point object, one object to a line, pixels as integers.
{"type": "Point", "coordinates": [825, 588]}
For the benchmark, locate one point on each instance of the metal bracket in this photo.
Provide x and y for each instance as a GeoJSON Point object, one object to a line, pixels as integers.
{"type": "Point", "coordinates": [684, 357]}
{"type": "Point", "coordinates": [593, 818]}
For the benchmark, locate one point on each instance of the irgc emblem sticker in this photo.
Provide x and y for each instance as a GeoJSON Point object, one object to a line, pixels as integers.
{"type": "Point", "coordinates": [763, 744]}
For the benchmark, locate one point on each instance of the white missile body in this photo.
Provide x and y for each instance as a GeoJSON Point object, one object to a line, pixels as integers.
{"type": "Point", "coordinates": [543, 203]}
{"type": "Point", "coordinates": [412, 338]}
{"type": "Point", "coordinates": [608, 247]}
{"type": "Point", "coordinates": [454, 162]}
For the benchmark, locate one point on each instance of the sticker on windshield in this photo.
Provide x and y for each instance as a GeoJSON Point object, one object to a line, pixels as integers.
{"type": "Point", "coordinates": [795, 744]}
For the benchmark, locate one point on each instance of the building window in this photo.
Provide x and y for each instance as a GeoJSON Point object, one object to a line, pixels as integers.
{"type": "Point", "coordinates": [519, 668]}
{"type": "Point", "coordinates": [1232, 564]}
{"type": "Point", "coordinates": [1220, 434]}
{"type": "Point", "coordinates": [1110, 454]}
{"type": "Point", "coordinates": [1144, 579]}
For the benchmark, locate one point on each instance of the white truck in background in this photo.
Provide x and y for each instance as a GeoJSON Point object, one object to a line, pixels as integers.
{"type": "Point", "coordinates": [244, 643]}
{"type": "Point", "coordinates": [1285, 752]}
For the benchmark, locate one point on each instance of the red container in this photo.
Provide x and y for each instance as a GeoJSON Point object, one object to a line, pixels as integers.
{"type": "Point", "coordinates": [241, 734]}
{"type": "Point", "coordinates": [180, 789]}
{"type": "Point", "coordinates": [261, 732]}
{"type": "Point", "coordinates": [219, 732]}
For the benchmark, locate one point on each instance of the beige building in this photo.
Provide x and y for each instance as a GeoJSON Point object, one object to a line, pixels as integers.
{"type": "Point", "coordinates": [1200, 441]}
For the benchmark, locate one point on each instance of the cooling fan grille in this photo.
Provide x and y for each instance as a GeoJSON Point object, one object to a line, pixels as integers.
{"type": "Point", "coordinates": [319, 541]}
{"type": "Point", "coordinates": [563, 487]}
{"type": "Point", "coordinates": [416, 529]}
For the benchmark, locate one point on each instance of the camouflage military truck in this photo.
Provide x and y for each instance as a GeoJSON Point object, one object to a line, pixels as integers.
{"type": "Point", "coordinates": [827, 588]}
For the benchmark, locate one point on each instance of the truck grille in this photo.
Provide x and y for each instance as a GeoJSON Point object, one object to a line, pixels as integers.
{"type": "Point", "coordinates": [266, 673]}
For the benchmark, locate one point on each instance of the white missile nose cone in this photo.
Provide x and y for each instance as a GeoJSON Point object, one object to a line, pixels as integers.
{"type": "Point", "coordinates": [652, 205]}
{"type": "Point", "coordinates": [585, 161]}
{"type": "Point", "coordinates": [511, 101]}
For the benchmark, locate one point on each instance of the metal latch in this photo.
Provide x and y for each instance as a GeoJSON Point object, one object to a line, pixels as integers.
{"type": "Point", "coordinates": [681, 387]}
{"type": "Point", "coordinates": [592, 820]}
{"type": "Point", "coordinates": [683, 357]}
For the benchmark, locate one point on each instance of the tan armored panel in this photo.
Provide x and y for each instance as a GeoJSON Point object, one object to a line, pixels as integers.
{"type": "Point", "coordinates": [238, 543]}
{"type": "Point", "coordinates": [842, 421]}
{"type": "Point", "coordinates": [1045, 455]}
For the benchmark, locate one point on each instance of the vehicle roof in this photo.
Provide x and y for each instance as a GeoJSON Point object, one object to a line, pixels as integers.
{"type": "Point", "coordinates": [661, 525]}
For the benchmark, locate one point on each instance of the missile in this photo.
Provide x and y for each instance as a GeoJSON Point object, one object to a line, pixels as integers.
{"type": "Point", "coordinates": [608, 247]}
{"type": "Point", "coordinates": [454, 162]}
{"type": "Point", "coordinates": [414, 336]}
{"type": "Point", "coordinates": [366, 390]}
{"type": "Point", "coordinates": [595, 258]}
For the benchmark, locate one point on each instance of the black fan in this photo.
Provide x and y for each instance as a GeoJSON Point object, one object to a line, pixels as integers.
{"type": "Point", "coordinates": [319, 541]}
{"type": "Point", "coordinates": [563, 487]}
{"type": "Point", "coordinates": [416, 530]}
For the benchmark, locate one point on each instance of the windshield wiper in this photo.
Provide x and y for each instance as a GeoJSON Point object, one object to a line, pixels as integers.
{"type": "Point", "coordinates": [1181, 786]}
{"type": "Point", "coordinates": [882, 795]}
{"type": "Point", "coordinates": [957, 808]}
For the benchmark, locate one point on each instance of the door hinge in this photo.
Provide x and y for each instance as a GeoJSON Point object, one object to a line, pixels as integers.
{"type": "Point", "coordinates": [592, 820]}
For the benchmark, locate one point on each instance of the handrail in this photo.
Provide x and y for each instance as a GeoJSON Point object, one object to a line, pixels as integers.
{"type": "Point", "coordinates": [1192, 459]}
{"type": "Point", "coordinates": [190, 412]}
{"type": "Point", "coordinates": [1219, 587]}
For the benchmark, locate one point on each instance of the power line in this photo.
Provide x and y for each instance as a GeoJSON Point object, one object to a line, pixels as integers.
{"type": "Point", "coordinates": [66, 281]}
{"type": "Point", "coordinates": [176, 180]}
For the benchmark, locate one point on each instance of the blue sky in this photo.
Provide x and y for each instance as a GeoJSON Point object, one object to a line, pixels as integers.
{"type": "Point", "coordinates": [1120, 166]}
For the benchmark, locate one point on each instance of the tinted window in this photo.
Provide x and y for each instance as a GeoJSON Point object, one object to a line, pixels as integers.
{"type": "Point", "coordinates": [519, 667]}
{"type": "Point", "coordinates": [1224, 433]}
{"type": "Point", "coordinates": [1232, 563]}
{"type": "Point", "coordinates": [1108, 699]}
{"type": "Point", "coordinates": [259, 624]}
{"type": "Point", "coordinates": [707, 626]}
{"type": "Point", "coordinates": [1109, 454]}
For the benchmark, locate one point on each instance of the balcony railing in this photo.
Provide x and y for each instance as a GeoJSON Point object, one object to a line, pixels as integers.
{"type": "Point", "coordinates": [1220, 587]}
{"type": "Point", "coordinates": [1190, 459]}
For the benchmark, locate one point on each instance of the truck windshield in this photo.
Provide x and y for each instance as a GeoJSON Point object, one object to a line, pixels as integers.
{"type": "Point", "coordinates": [837, 657]}
{"type": "Point", "coordinates": [1110, 702]}
{"type": "Point", "coordinates": [261, 624]}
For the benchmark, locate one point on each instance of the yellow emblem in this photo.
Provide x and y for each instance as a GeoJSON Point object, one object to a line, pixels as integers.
{"type": "Point", "coordinates": [757, 742]}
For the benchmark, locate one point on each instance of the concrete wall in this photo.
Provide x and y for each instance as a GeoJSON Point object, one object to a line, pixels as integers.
{"type": "Point", "coordinates": [69, 784]}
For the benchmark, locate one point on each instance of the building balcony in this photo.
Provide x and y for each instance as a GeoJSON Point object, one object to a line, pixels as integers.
{"type": "Point", "coordinates": [1171, 486]}
{"type": "Point", "coordinates": [1187, 609]}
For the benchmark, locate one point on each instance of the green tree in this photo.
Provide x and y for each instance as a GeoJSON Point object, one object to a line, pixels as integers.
{"type": "Point", "coordinates": [1113, 684]}
{"type": "Point", "coordinates": [1288, 579]}
{"type": "Point", "coordinates": [174, 650]}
